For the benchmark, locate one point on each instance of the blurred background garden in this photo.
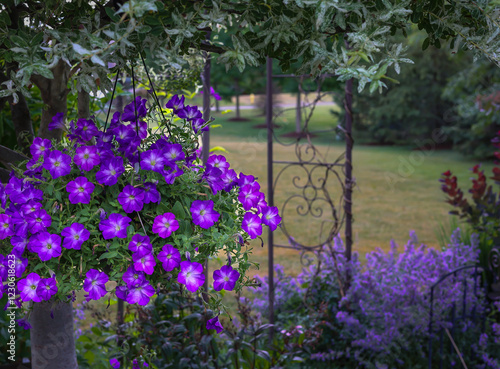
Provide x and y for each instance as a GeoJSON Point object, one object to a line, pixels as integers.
{"type": "Point", "coordinates": [421, 287]}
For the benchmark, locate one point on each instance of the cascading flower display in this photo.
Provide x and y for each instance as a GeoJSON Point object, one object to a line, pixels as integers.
{"type": "Point", "coordinates": [110, 203]}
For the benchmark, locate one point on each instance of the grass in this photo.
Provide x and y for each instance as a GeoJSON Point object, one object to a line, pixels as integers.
{"type": "Point", "coordinates": [397, 188]}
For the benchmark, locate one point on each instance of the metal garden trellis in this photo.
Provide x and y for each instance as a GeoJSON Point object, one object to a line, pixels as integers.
{"type": "Point", "coordinates": [309, 160]}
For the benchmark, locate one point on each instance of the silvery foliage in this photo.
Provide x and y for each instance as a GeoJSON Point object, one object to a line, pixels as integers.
{"type": "Point", "coordinates": [345, 37]}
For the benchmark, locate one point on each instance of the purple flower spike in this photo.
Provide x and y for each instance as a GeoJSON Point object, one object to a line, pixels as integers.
{"type": "Point", "coordinates": [131, 199]}
{"type": "Point", "coordinates": [110, 171]}
{"type": "Point", "coordinates": [6, 228]}
{"type": "Point", "coordinates": [38, 221]}
{"type": "Point", "coordinates": [203, 213]}
{"type": "Point", "coordinates": [133, 277]}
{"type": "Point", "coordinates": [270, 217]}
{"type": "Point", "coordinates": [140, 244]}
{"type": "Point", "coordinates": [151, 194]}
{"type": "Point", "coordinates": [215, 324]}
{"type": "Point", "coordinates": [115, 226]}
{"type": "Point", "coordinates": [74, 236]}
{"type": "Point", "coordinates": [190, 113]}
{"type": "Point", "coordinates": [152, 160]}
{"type": "Point", "coordinates": [252, 225]}
{"type": "Point", "coordinates": [28, 288]}
{"type": "Point", "coordinates": [57, 163]}
{"type": "Point", "coordinates": [47, 245]}
{"type": "Point", "coordinates": [40, 147]}
{"type": "Point", "coordinates": [144, 262]}
{"type": "Point", "coordinates": [46, 288]}
{"type": "Point", "coordinates": [140, 293]}
{"type": "Point", "coordinates": [94, 284]}
{"type": "Point", "coordinates": [225, 278]}
{"type": "Point", "coordinates": [165, 224]}
{"type": "Point", "coordinates": [176, 103]}
{"type": "Point", "coordinates": [115, 364]}
{"type": "Point", "coordinates": [80, 190]}
{"type": "Point", "coordinates": [87, 157]}
{"type": "Point", "coordinates": [57, 122]}
{"type": "Point", "coordinates": [170, 257]}
{"type": "Point", "coordinates": [191, 275]}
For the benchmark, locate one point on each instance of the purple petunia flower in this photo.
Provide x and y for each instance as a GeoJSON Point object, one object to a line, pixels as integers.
{"type": "Point", "coordinates": [170, 257]}
{"type": "Point", "coordinates": [94, 284]}
{"type": "Point", "coordinates": [57, 163]}
{"type": "Point", "coordinates": [140, 244]}
{"type": "Point", "coordinates": [6, 228]}
{"type": "Point", "coordinates": [86, 129]}
{"type": "Point", "coordinates": [74, 236]}
{"type": "Point", "coordinates": [191, 275]}
{"type": "Point", "coordinates": [218, 161]}
{"type": "Point", "coordinates": [131, 113]}
{"type": "Point", "coordinates": [115, 226]}
{"type": "Point", "coordinates": [229, 179]}
{"type": "Point", "coordinates": [46, 245]}
{"type": "Point", "coordinates": [244, 180]}
{"type": "Point", "coordinates": [249, 195]}
{"type": "Point", "coordinates": [40, 147]}
{"type": "Point", "coordinates": [214, 94]}
{"type": "Point", "coordinates": [140, 293]}
{"type": "Point", "coordinates": [133, 277]}
{"type": "Point", "coordinates": [30, 207]}
{"type": "Point", "coordinates": [57, 122]}
{"type": "Point", "coordinates": [225, 278]}
{"type": "Point", "coordinates": [80, 190]}
{"type": "Point", "coordinates": [20, 264]}
{"type": "Point", "coordinates": [131, 199]}
{"type": "Point", "coordinates": [28, 288]}
{"type": "Point", "coordinates": [198, 124]}
{"type": "Point", "coordinates": [152, 160]}
{"type": "Point", "coordinates": [215, 324]}
{"type": "Point", "coordinates": [173, 153]}
{"type": "Point", "coordinates": [135, 364]}
{"type": "Point", "coordinates": [213, 177]}
{"type": "Point", "coordinates": [203, 213]}
{"type": "Point", "coordinates": [189, 113]}
{"type": "Point", "coordinates": [87, 157]}
{"type": "Point", "coordinates": [261, 202]}
{"type": "Point", "coordinates": [270, 217]}
{"type": "Point", "coordinates": [164, 225]}
{"type": "Point", "coordinates": [151, 194]}
{"type": "Point", "coordinates": [176, 103]}
{"type": "Point", "coordinates": [24, 324]}
{"type": "Point", "coordinates": [46, 288]}
{"type": "Point", "coordinates": [110, 170]}
{"type": "Point", "coordinates": [115, 364]}
{"type": "Point", "coordinates": [252, 225]}
{"type": "Point", "coordinates": [19, 245]}
{"type": "Point", "coordinates": [144, 262]}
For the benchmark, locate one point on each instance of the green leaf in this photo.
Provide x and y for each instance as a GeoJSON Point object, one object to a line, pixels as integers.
{"type": "Point", "coordinates": [426, 43]}
{"type": "Point", "coordinates": [218, 148]}
{"type": "Point", "coordinates": [96, 60]}
{"type": "Point", "coordinates": [112, 14]}
{"type": "Point", "coordinates": [81, 50]}
{"type": "Point", "coordinates": [108, 255]}
{"type": "Point", "coordinates": [178, 211]}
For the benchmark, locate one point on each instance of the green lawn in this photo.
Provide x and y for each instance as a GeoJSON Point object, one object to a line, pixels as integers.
{"type": "Point", "coordinates": [397, 187]}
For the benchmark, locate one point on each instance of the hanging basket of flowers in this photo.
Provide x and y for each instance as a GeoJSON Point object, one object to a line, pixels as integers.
{"type": "Point", "coordinates": [130, 203]}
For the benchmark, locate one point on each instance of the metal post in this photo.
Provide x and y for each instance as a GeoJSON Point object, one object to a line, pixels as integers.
{"type": "Point", "coordinates": [270, 192]}
{"type": "Point", "coordinates": [348, 169]}
{"type": "Point", "coordinates": [205, 77]}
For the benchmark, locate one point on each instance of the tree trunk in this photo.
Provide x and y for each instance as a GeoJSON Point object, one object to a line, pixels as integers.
{"type": "Point", "coordinates": [54, 94]}
{"type": "Point", "coordinates": [52, 338]}
{"type": "Point", "coordinates": [298, 114]}
{"type": "Point", "coordinates": [83, 104]}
